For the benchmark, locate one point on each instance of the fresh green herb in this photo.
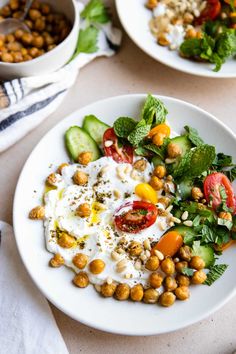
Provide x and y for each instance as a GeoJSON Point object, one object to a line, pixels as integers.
{"type": "Point", "coordinates": [231, 174]}
{"type": "Point", "coordinates": [157, 150]}
{"type": "Point", "coordinates": [187, 271]}
{"type": "Point", "coordinates": [215, 273]}
{"type": "Point", "coordinates": [87, 41]}
{"type": "Point", "coordinates": [141, 151]}
{"type": "Point", "coordinates": [154, 111]}
{"type": "Point", "coordinates": [222, 160]}
{"type": "Point", "coordinates": [214, 234]}
{"type": "Point", "coordinates": [223, 206]}
{"type": "Point", "coordinates": [139, 133]}
{"type": "Point", "coordinates": [195, 162]}
{"type": "Point", "coordinates": [215, 50]}
{"type": "Point", "coordinates": [143, 212]}
{"type": "Point", "coordinates": [123, 126]}
{"type": "Point", "coordinates": [223, 222]}
{"type": "Point", "coordinates": [95, 12]}
{"type": "Point", "coordinates": [189, 237]}
{"type": "Point", "coordinates": [232, 6]}
{"type": "Point", "coordinates": [205, 252]}
{"type": "Point", "coordinates": [193, 136]}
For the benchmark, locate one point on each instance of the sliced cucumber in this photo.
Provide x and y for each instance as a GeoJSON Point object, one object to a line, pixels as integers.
{"type": "Point", "coordinates": [95, 128]}
{"type": "Point", "coordinates": [157, 161]}
{"type": "Point", "coordinates": [205, 252]}
{"type": "Point", "coordinates": [183, 142]}
{"type": "Point", "coordinates": [183, 230]}
{"type": "Point", "coordinates": [78, 141]}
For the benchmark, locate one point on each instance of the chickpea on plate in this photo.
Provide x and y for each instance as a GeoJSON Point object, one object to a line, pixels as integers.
{"type": "Point", "coordinates": [47, 29]}
{"type": "Point", "coordinates": [140, 212]}
{"type": "Point", "coordinates": [201, 30]}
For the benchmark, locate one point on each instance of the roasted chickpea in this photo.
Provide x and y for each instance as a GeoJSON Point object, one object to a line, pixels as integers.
{"type": "Point", "coordinates": [83, 210]}
{"type": "Point", "coordinates": [51, 179]}
{"type": "Point", "coordinates": [51, 46]}
{"type": "Point", "coordinates": [140, 165]}
{"type": "Point", "coordinates": [57, 261]}
{"type": "Point", "coordinates": [168, 266]}
{"type": "Point", "coordinates": [14, 46]}
{"type": "Point", "coordinates": [80, 178]}
{"type": "Point", "coordinates": [19, 33]}
{"type": "Point", "coordinates": [97, 266]}
{"type": "Point", "coordinates": [151, 4]}
{"type": "Point", "coordinates": [45, 9]}
{"type": "Point", "coordinates": [122, 292]}
{"type": "Point", "coordinates": [29, 24]}
{"type": "Point", "coordinates": [156, 183]}
{"type": "Point", "coordinates": [180, 265]}
{"type": "Point", "coordinates": [196, 193]}
{"type": "Point", "coordinates": [165, 201]}
{"type": "Point", "coordinates": [173, 150]}
{"type": "Point", "coordinates": [135, 248]}
{"type": "Point", "coordinates": [167, 299]}
{"type": "Point", "coordinates": [24, 51]}
{"type": "Point", "coordinates": [37, 213]}
{"type": "Point", "coordinates": [38, 42]}
{"type": "Point", "coordinates": [10, 38]}
{"type": "Point", "coordinates": [136, 292]}
{"type": "Point", "coordinates": [197, 263]}
{"type": "Point", "coordinates": [81, 280]}
{"type": "Point", "coordinates": [159, 171]}
{"type": "Point", "coordinates": [48, 39]}
{"type": "Point", "coordinates": [107, 290]}
{"type": "Point", "coordinates": [34, 52]}
{"type": "Point", "coordinates": [182, 293]}
{"type": "Point", "coordinates": [80, 260]}
{"type": "Point", "coordinates": [60, 168]}
{"type": "Point", "coordinates": [185, 253]}
{"type": "Point", "coordinates": [150, 296]}
{"type": "Point", "coordinates": [14, 4]}
{"type": "Point", "coordinates": [85, 157]}
{"type": "Point", "coordinates": [27, 57]}
{"type": "Point", "coordinates": [17, 14]}
{"type": "Point", "coordinates": [17, 57]}
{"type": "Point", "coordinates": [7, 57]}
{"type": "Point", "coordinates": [5, 11]}
{"type": "Point", "coordinates": [155, 280]}
{"type": "Point", "coordinates": [158, 139]}
{"type": "Point", "coordinates": [27, 38]}
{"type": "Point", "coordinates": [40, 24]}
{"type": "Point", "coordinates": [170, 283]}
{"type": "Point", "coordinates": [182, 280]}
{"type": "Point", "coordinates": [198, 277]}
{"type": "Point", "coordinates": [152, 263]}
{"type": "Point", "coordinates": [34, 14]}
{"type": "Point", "coordinates": [66, 241]}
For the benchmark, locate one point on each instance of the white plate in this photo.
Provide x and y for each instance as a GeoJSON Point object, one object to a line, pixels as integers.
{"type": "Point", "coordinates": [135, 20]}
{"type": "Point", "coordinates": [85, 305]}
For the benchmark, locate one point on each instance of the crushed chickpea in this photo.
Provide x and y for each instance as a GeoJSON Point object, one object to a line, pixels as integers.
{"type": "Point", "coordinates": [83, 210]}
{"type": "Point", "coordinates": [185, 253]}
{"type": "Point", "coordinates": [81, 280]}
{"type": "Point", "coordinates": [37, 213]}
{"type": "Point", "coordinates": [155, 280]}
{"type": "Point", "coordinates": [122, 292]}
{"type": "Point", "coordinates": [66, 241]}
{"type": "Point", "coordinates": [182, 293]}
{"type": "Point", "coordinates": [135, 248]}
{"type": "Point", "coordinates": [167, 299]}
{"type": "Point", "coordinates": [198, 277]}
{"type": "Point", "coordinates": [173, 150]}
{"type": "Point", "coordinates": [196, 193]}
{"type": "Point", "coordinates": [156, 183]}
{"type": "Point", "coordinates": [57, 261]}
{"type": "Point", "coordinates": [140, 165]}
{"type": "Point", "coordinates": [159, 171]}
{"type": "Point", "coordinates": [170, 283]}
{"type": "Point", "coordinates": [85, 157]}
{"type": "Point", "coordinates": [107, 290]}
{"type": "Point", "coordinates": [150, 296]}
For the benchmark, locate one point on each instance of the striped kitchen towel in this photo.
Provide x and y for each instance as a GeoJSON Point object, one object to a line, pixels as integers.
{"type": "Point", "coordinates": [26, 102]}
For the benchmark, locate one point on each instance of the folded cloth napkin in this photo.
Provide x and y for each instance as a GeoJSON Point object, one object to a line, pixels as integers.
{"type": "Point", "coordinates": [26, 102]}
{"type": "Point", "coordinates": [27, 325]}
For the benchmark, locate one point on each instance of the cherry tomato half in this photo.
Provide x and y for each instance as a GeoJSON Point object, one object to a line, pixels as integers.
{"type": "Point", "coordinates": [210, 12]}
{"type": "Point", "coordinates": [136, 216]}
{"type": "Point", "coordinates": [212, 184]}
{"type": "Point", "coordinates": [119, 154]}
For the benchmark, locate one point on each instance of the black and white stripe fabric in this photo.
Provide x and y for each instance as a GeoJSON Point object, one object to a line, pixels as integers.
{"type": "Point", "coordinates": [26, 102]}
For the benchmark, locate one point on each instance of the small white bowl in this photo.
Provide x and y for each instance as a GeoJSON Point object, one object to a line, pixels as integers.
{"type": "Point", "coordinates": [53, 59]}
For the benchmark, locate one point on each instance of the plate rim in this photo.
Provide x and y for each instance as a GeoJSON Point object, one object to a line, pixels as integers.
{"type": "Point", "coordinates": [209, 74]}
{"type": "Point", "coordinates": [38, 284]}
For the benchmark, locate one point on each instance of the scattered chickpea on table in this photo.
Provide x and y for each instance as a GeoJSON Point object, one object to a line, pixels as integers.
{"type": "Point", "coordinates": [47, 29]}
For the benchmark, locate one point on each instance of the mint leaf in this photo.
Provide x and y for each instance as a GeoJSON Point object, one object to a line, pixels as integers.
{"type": "Point", "coordinates": [222, 160]}
{"type": "Point", "coordinates": [215, 273]}
{"type": "Point", "coordinates": [224, 222]}
{"type": "Point", "coordinates": [154, 111]}
{"type": "Point", "coordinates": [193, 136]}
{"type": "Point", "coordinates": [231, 174]}
{"type": "Point", "coordinates": [95, 11]}
{"type": "Point", "coordinates": [87, 41]}
{"type": "Point", "coordinates": [139, 133]}
{"type": "Point", "coordinates": [214, 234]}
{"type": "Point", "coordinates": [187, 271]}
{"type": "Point", "coordinates": [123, 126]}
{"type": "Point", "coordinates": [157, 150]}
{"type": "Point", "coordinates": [141, 151]}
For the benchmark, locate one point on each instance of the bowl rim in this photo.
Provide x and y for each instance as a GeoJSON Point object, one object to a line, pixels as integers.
{"type": "Point", "coordinates": [57, 48]}
{"type": "Point", "coordinates": [110, 99]}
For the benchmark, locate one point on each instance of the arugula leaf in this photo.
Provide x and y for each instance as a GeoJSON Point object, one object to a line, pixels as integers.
{"type": "Point", "coordinates": [139, 133]}
{"type": "Point", "coordinates": [187, 271]}
{"type": "Point", "coordinates": [96, 12]}
{"type": "Point", "coordinates": [215, 273]}
{"type": "Point", "coordinates": [154, 111]}
{"type": "Point", "coordinates": [193, 136]}
{"type": "Point", "coordinates": [214, 234]}
{"type": "Point", "coordinates": [123, 126]}
{"type": "Point", "coordinates": [87, 41]}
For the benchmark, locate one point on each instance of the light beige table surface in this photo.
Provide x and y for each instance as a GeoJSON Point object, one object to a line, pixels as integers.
{"type": "Point", "coordinates": [132, 71]}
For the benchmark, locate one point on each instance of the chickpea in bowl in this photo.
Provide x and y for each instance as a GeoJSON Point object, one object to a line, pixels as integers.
{"type": "Point", "coordinates": [47, 46]}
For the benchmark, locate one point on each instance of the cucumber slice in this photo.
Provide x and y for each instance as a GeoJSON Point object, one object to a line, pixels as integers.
{"type": "Point", "coordinates": [205, 252]}
{"type": "Point", "coordinates": [157, 161]}
{"type": "Point", "coordinates": [95, 128]}
{"type": "Point", "coordinates": [185, 188]}
{"type": "Point", "coordinates": [78, 141]}
{"type": "Point", "coordinates": [183, 230]}
{"type": "Point", "coordinates": [183, 142]}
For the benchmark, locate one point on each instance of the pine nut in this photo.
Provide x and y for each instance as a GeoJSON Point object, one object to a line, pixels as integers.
{"type": "Point", "coordinates": [168, 161]}
{"type": "Point", "coordinates": [128, 169]}
{"type": "Point", "coordinates": [176, 220]}
{"type": "Point", "coordinates": [122, 263]}
{"type": "Point", "coordinates": [147, 244]}
{"type": "Point", "coordinates": [116, 193]}
{"type": "Point", "coordinates": [170, 207]}
{"type": "Point", "coordinates": [143, 257]}
{"type": "Point", "coordinates": [109, 280]}
{"type": "Point", "coordinates": [184, 215]}
{"type": "Point", "coordinates": [97, 287]}
{"type": "Point", "coordinates": [121, 269]}
{"type": "Point", "coordinates": [127, 276]}
{"type": "Point", "coordinates": [108, 143]}
{"type": "Point", "coordinates": [115, 256]}
{"type": "Point", "coordinates": [159, 255]}
{"type": "Point", "coordinates": [188, 223]}
{"type": "Point", "coordinates": [176, 260]}
{"type": "Point", "coordinates": [148, 253]}
{"type": "Point", "coordinates": [104, 169]}
{"type": "Point", "coordinates": [161, 226]}
{"type": "Point", "coordinates": [138, 265]}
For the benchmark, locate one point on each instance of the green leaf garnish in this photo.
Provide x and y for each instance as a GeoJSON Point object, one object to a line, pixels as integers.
{"type": "Point", "coordinates": [187, 271]}
{"type": "Point", "coordinates": [123, 126]}
{"type": "Point", "coordinates": [193, 136]}
{"type": "Point", "coordinates": [215, 273]}
{"type": "Point", "coordinates": [95, 11]}
{"type": "Point", "coordinates": [87, 41]}
{"type": "Point", "coordinates": [154, 111]}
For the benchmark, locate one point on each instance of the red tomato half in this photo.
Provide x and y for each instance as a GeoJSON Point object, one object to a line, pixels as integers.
{"type": "Point", "coordinates": [211, 11]}
{"type": "Point", "coordinates": [212, 185]}
{"type": "Point", "coordinates": [119, 154]}
{"type": "Point", "coordinates": [139, 216]}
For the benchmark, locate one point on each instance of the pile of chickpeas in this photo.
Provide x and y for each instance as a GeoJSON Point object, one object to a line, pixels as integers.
{"type": "Point", "coordinates": [47, 30]}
